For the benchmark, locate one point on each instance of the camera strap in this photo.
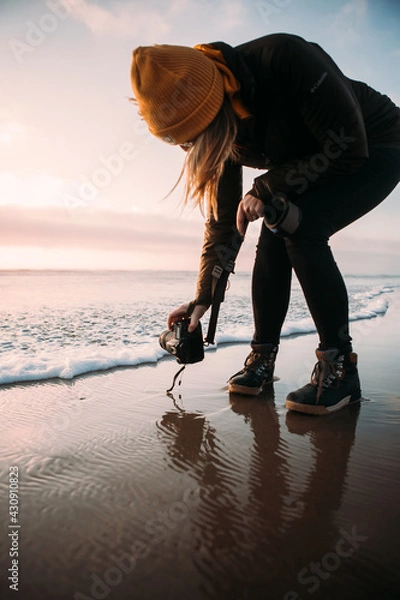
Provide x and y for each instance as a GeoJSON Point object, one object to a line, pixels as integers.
{"type": "Point", "coordinates": [227, 255]}
{"type": "Point", "coordinates": [218, 298]}
{"type": "Point", "coordinates": [175, 378]}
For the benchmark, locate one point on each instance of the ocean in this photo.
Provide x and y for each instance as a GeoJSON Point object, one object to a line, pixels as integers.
{"type": "Point", "coordinates": [64, 324]}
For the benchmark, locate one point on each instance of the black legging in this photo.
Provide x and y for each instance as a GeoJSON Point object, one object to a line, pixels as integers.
{"type": "Point", "coordinates": [325, 211]}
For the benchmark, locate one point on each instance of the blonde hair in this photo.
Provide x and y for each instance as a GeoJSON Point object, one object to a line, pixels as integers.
{"type": "Point", "coordinates": [205, 159]}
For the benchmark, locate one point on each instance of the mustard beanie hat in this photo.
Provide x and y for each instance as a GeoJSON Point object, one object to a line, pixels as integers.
{"type": "Point", "coordinates": [178, 89]}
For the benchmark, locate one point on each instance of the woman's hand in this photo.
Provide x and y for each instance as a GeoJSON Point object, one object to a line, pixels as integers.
{"type": "Point", "coordinates": [249, 209]}
{"type": "Point", "coordinates": [181, 313]}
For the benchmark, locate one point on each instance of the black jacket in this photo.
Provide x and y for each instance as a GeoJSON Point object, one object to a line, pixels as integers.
{"type": "Point", "coordinates": [310, 124]}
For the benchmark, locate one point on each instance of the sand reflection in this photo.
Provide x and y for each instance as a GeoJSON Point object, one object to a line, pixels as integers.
{"type": "Point", "coordinates": [266, 525]}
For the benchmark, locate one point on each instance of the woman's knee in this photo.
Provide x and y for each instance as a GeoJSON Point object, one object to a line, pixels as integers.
{"type": "Point", "coordinates": [269, 242]}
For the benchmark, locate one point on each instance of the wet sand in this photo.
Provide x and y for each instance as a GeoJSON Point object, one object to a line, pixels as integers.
{"type": "Point", "coordinates": [128, 493]}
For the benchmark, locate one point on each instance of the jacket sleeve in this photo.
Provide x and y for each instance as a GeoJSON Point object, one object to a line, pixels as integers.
{"type": "Point", "coordinates": [220, 229]}
{"type": "Point", "coordinates": [322, 96]}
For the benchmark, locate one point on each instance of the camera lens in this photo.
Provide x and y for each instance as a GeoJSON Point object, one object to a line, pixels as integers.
{"type": "Point", "coordinates": [165, 336]}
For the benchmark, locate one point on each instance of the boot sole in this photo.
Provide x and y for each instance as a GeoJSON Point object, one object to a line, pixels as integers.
{"type": "Point", "coordinates": [316, 409]}
{"type": "Point", "coordinates": [248, 391]}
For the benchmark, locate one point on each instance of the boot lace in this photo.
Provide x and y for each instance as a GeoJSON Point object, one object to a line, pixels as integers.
{"type": "Point", "coordinates": [327, 374]}
{"type": "Point", "coordinates": [256, 362]}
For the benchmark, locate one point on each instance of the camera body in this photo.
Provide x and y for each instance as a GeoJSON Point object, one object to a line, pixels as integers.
{"type": "Point", "coordinates": [187, 347]}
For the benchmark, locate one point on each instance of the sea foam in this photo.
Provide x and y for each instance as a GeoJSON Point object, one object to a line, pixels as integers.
{"type": "Point", "coordinates": [69, 362]}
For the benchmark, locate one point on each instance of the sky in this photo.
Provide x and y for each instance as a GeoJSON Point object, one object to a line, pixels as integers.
{"type": "Point", "coordinates": [82, 182]}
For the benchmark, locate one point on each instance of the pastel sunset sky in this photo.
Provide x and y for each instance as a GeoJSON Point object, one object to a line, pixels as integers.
{"type": "Point", "coordinates": [82, 182]}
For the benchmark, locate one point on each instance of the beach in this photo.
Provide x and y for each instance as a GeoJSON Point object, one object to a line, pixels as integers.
{"type": "Point", "coordinates": [125, 491]}
{"type": "Point", "coordinates": [153, 152]}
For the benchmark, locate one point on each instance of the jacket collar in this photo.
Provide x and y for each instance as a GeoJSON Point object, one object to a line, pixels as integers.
{"type": "Point", "coordinates": [240, 70]}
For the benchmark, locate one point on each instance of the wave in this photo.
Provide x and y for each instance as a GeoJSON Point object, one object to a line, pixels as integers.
{"type": "Point", "coordinates": [73, 362]}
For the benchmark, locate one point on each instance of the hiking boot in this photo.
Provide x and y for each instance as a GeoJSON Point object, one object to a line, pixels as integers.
{"type": "Point", "coordinates": [334, 384]}
{"type": "Point", "coordinates": [258, 370]}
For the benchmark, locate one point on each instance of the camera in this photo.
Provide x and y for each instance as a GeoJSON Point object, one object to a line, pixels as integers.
{"type": "Point", "coordinates": [281, 216]}
{"type": "Point", "coordinates": [186, 347]}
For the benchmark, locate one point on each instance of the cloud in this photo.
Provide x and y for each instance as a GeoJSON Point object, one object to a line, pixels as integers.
{"type": "Point", "coordinates": [100, 230]}
{"type": "Point", "coordinates": [349, 24]}
{"type": "Point", "coordinates": [125, 20]}
{"type": "Point", "coordinates": [31, 189]}
{"type": "Point", "coordinates": [12, 132]}
{"type": "Point", "coordinates": [231, 14]}
{"type": "Point", "coordinates": [49, 238]}
{"type": "Point", "coordinates": [146, 20]}
{"type": "Point", "coordinates": [358, 244]}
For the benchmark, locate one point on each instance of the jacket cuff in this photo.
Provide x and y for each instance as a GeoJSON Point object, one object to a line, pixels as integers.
{"type": "Point", "coordinates": [203, 300]}
{"type": "Point", "coordinates": [261, 191]}
{"type": "Point", "coordinates": [190, 309]}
